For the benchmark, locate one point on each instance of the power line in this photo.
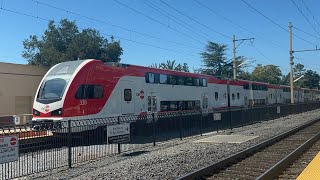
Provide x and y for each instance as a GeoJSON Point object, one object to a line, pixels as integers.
{"type": "Point", "coordinates": [109, 23]}
{"type": "Point", "coordinates": [281, 27]}
{"type": "Point", "coordinates": [137, 42]}
{"type": "Point", "coordinates": [224, 35]}
{"type": "Point", "coordinates": [159, 22]}
{"type": "Point", "coordinates": [305, 17]}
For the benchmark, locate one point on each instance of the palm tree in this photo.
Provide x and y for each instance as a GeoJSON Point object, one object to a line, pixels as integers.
{"type": "Point", "coordinates": [170, 65]}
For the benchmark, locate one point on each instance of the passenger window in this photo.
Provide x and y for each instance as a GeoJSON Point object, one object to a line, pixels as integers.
{"type": "Point", "coordinates": [196, 82]}
{"type": "Point", "coordinates": [180, 80]}
{"type": "Point", "coordinates": [216, 96]}
{"type": "Point", "coordinates": [127, 95]}
{"type": "Point", "coordinates": [163, 79]}
{"type": "Point", "coordinates": [151, 78]}
{"type": "Point", "coordinates": [204, 83]}
{"type": "Point", "coordinates": [188, 81]}
{"type": "Point", "coordinates": [172, 80]}
{"type": "Point", "coordinates": [89, 91]}
{"type": "Point", "coordinates": [156, 78]}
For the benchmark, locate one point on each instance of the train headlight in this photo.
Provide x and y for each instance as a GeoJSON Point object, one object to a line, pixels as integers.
{"type": "Point", "coordinates": [36, 113]}
{"type": "Point", "coordinates": [57, 112]}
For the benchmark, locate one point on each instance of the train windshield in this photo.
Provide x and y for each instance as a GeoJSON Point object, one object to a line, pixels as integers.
{"type": "Point", "coordinates": [52, 88]}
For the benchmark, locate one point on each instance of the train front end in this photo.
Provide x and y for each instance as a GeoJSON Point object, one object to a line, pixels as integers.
{"type": "Point", "coordinates": [48, 111]}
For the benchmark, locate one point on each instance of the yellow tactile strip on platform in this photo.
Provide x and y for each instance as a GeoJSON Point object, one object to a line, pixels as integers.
{"type": "Point", "coordinates": [312, 171]}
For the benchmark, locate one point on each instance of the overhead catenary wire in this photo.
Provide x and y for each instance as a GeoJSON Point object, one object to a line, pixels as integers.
{"type": "Point", "coordinates": [122, 38]}
{"type": "Point", "coordinates": [224, 35]}
{"type": "Point", "coordinates": [232, 22]}
{"type": "Point", "coordinates": [305, 32]}
{"type": "Point", "coordinates": [111, 24]}
{"type": "Point", "coordinates": [179, 21]}
{"type": "Point", "coordinates": [159, 22]}
{"type": "Point", "coordinates": [305, 17]}
{"type": "Point", "coordinates": [278, 25]}
{"type": "Point", "coordinates": [310, 12]}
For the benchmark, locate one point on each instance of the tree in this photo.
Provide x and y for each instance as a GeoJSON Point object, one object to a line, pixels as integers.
{"type": "Point", "coordinates": [214, 59]}
{"type": "Point", "coordinates": [216, 63]}
{"type": "Point", "coordinates": [311, 79]}
{"type": "Point", "coordinates": [171, 65]}
{"type": "Point", "coordinates": [269, 74]}
{"type": "Point", "coordinates": [64, 42]}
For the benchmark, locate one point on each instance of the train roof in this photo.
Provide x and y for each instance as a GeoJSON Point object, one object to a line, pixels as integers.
{"type": "Point", "coordinates": [210, 78]}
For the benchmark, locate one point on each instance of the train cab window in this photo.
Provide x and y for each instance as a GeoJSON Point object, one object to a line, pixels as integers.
{"type": "Point", "coordinates": [216, 96]}
{"type": "Point", "coordinates": [163, 79]}
{"type": "Point", "coordinates": [238, 96]}
{"type": "Point", "coordinates": [89, 91]}
{"type": "Point", "coordinates": [127, 94]}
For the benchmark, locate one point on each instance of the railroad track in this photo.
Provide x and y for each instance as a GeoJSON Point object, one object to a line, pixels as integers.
{"type": "Point", "coordinates": [266, 160]}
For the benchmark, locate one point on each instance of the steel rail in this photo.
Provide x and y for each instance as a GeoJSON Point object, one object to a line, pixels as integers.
{"type": "Point", "coordinates": [243, 154]}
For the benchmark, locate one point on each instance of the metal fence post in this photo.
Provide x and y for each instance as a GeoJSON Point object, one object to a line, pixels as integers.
{"type": "Point", "coordinates": [230, 118]}
{"type": "Point", "coordinates": [69, 139]}
{"type": "Point", "coordinates": [154, 129]}
{"type": "Point", "coordinates": [119, 146]}
{"type": "Point", "coordinates": [180, 125]}
{"type": "Point", "coordinates": [201, 118]}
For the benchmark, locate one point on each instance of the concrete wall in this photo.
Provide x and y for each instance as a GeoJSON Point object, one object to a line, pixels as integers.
{"type": "Point", "coordinates": [18, 85]}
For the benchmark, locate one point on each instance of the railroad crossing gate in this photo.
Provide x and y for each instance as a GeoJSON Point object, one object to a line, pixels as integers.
{"type": "Point", "coordinates": [9, 149]}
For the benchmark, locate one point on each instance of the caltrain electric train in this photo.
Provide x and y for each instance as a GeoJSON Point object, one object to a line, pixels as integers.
{"type": "Point", "coordinates": [85, 89]}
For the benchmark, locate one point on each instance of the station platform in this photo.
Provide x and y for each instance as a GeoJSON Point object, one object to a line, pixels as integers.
{"type": "Point", "coordinates": [312, 171]}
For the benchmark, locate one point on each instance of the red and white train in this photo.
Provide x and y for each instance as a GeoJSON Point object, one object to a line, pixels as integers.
{"type": "Point", "coordinates": [87, 89]}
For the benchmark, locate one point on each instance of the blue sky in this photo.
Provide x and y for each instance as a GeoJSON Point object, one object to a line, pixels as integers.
{"type": "Point", "coordinates": [168, 40]}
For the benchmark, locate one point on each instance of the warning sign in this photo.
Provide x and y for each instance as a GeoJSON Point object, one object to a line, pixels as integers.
{"type": "Point", "coordinates": [217, 116]}
{"type": "Point", "coordinates": [119, 133]}
{"type": "Point", "coordinates": [9, 149]}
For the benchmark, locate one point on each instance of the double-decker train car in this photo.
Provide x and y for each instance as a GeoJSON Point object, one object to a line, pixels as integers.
{"type": "Point", "coordinates": [85, 89]}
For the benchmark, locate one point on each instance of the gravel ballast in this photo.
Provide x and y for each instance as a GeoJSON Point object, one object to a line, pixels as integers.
{"type": "Point", "coordinates": [176, 158]}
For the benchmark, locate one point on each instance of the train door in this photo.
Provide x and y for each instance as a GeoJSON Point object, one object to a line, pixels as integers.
{"type": "Point", "coordinates": [152, 102]}
{"type": "Point", "coordinates": [228, 93]}
{"type": "Point", "coordinates": [205, 101]}
{"type": "Point", "coordinates": [127, 98]}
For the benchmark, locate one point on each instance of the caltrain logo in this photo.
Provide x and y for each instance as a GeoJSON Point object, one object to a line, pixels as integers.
{"type": "Point", "coordinates": [141, 94]}
{"type": "Point", "coordinates": [46, 108]}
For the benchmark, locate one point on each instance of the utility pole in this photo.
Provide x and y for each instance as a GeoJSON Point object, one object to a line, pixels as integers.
{"type": "Point", "coordinates": [234, 58]}
{"type": "Point", "coordinates": [291, 62]}
{"type": "Point", "coordinates": [234, 54]}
